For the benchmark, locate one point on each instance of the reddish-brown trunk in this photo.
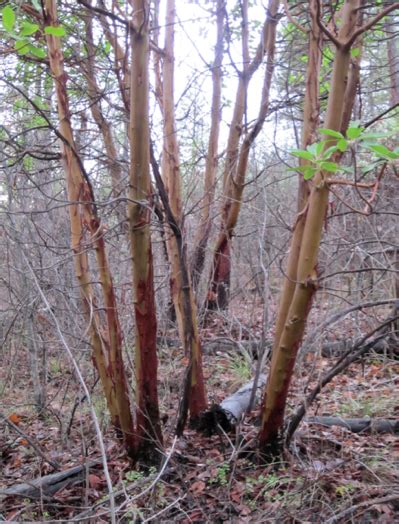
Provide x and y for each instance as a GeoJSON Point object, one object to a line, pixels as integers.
{"type": "Point", "coordinates": [181, 288]}
{"type": "Point", "coordinates": [148, 424]}
{"type": "Point", "coordinates": [219, 293]}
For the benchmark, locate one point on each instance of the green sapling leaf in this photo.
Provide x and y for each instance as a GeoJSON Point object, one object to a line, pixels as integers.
{"type": "Point", "coordinates": [28, 29]}
{"type": "Point", "coordinates": [8, 18]}
{"type": "Point", "coordinates": [331, 132]}
{"type": "Point", "coordinates": [55, 31]}
{"type": "Point", "coordinates": [302, 154]}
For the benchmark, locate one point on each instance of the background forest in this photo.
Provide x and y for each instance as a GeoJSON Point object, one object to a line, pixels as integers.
{"type": "Point", "coordinates": [199, 298]}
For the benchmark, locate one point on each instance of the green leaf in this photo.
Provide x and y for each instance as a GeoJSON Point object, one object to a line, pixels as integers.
{"type": "Point", "coordinates": [383, 151]}
{"type": "Point", "coordinates": [342, 145]}
{"type": "Point", "coordinates": [329, 166]}
{"type": "Point", "coordinates": [8, 18]}
{"type": "Point", "coordinates": [28, 29]}
{"type": "Point", "coordinates": [313, 149]}
{"type": "Point", "coordinates": [309, 172]}
{"type": "Point", "coordinates": [320, 148]}
{"type": "Point", "coordinates": [329, 151]}
{"type": "Point", "coordinates": [369, 167]}
{"type": "Point", "coordinates": [22, 46]}
{"type": "Point", "coordinates": [355, 52]}
{"type": "Point", "coordinates": [302, 154]}
{"type": "Point", "coordinates": [36, 5]}
{"type": "Point", "coordinates": [331, 132]}
{"type": "Point", "coordinates": [354, 132]}
{"type": "Point", "coordinates": [345, 169]}
{"type": "Point", "coordinates": [36, 51]}
{"type": "Point", "coordinates": [374, 136]}
{"type": "Point", "coordinates": [300, 169]}
{"type": "Point", "coordinates": [41, 103]}
{"type": "Point", "coordinates": [55, 31]}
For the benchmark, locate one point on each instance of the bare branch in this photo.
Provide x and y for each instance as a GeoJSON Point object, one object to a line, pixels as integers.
{"type": "Point", "coordinates": [292, 19]}
{"type": "Point", "coordinates": [371, 23]}
{"type": "Point", "coordinates": [325, 30]}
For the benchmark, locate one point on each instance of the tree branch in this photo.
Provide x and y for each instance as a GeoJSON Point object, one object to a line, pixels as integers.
{"type": "Point", "coordinates": [292, 19]}
{"type": "Point", "coordinates": [370, 23]}
{"type": "Point", "coordinates": [325, 30]}
{"type": "Point", "coordinates": [104, 12]}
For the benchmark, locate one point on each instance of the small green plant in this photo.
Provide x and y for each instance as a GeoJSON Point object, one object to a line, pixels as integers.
{"type": "Point", "coordinates": [55, 366]}
{"type": "Point", "coordinates": [271, 487]}
{"type": "Point", "coordinates": [345, 489]}
{"type": "Point", "coordinates": [366, 406]}
{"type": "Point", "coordinates": [241, 369]}
{"type": "Point", "coordinates": [221, 475]}
{"type": "Point", "coordinates": [134, 476]}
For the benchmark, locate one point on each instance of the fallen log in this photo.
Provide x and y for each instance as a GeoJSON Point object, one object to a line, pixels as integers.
{"type": "Point", "coordinates": [214, 345]}
{"type": "Point", "coordinates": [388, 347]}
{"type": "Point", "coordinates": [229, 412]}
{"type": "Point", "coordinates": [352, 355]}
{"type": "Point", "coordinates": [358, 425]}
{"type": "Point", "coordinates": [49, 484]}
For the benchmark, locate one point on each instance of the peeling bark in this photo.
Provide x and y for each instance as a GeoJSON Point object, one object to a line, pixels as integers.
{"type": "Point", "coordinates": [86, 229]}
{"type": "Point", "coordinates": [148, 424]}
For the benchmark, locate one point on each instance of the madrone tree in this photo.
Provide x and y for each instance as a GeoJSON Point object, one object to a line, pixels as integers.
{"type": "Point", "coordinates": [302, 276]}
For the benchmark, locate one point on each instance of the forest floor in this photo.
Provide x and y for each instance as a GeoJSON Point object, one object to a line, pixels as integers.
{"type": "Point", "coordinates": [327, 474]}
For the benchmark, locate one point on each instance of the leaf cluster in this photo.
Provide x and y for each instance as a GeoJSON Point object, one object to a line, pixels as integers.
{"type": "Point", "coordinates": [26, 34]}
{"type": "Point", "coordinates": [319, 156]}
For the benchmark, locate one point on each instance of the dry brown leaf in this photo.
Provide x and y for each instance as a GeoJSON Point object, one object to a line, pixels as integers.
{"type": "Point", "coordinates": [198, 486]}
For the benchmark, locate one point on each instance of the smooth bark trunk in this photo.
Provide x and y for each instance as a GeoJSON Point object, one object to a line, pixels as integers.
{"type": "Point", "coordinates": [204, 228]}
{"type": "Point", "coordinates": [94, 92]}
{"type": "Point", "coordinates": [287, 342]}
{"type": "Point", "coordinates": [194, 395]}
{"type": "Point", "coordinates": [237, 157]}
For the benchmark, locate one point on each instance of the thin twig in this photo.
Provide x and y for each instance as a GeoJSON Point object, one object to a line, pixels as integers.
{"type": "Point", "coordinates": [364, 504]}
{"type": "Point", "coordinates": [84, 387]}
{"type": "Point", "coordinates": [344, 362]}
{"type": "Point", "coordinates": [32, 442]}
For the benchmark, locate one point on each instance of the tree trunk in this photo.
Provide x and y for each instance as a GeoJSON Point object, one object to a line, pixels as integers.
{"type": "Point", "coordinates": [311, 112]}
{"type": "Point", "coordinates": [359, 425]}
{"type": "Point", "coordinates": [229, 412]}
{"type": "Point", "coordinates": [204, 228]}
{"type": "Point", "coordinates": [237, 158]}
{"type": "Point", "coordinates": [112, 162]}
{"type": "Point", "coordinates": [391, 28]}
{"type": "Point", "coordinates": [291, 327]}
{"type": "Point", "coordinates": [148, 423]}
{"type": "Point", "coordinates": [106, 340]}
{"type": "Point", "coordinates": [181, 288]}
